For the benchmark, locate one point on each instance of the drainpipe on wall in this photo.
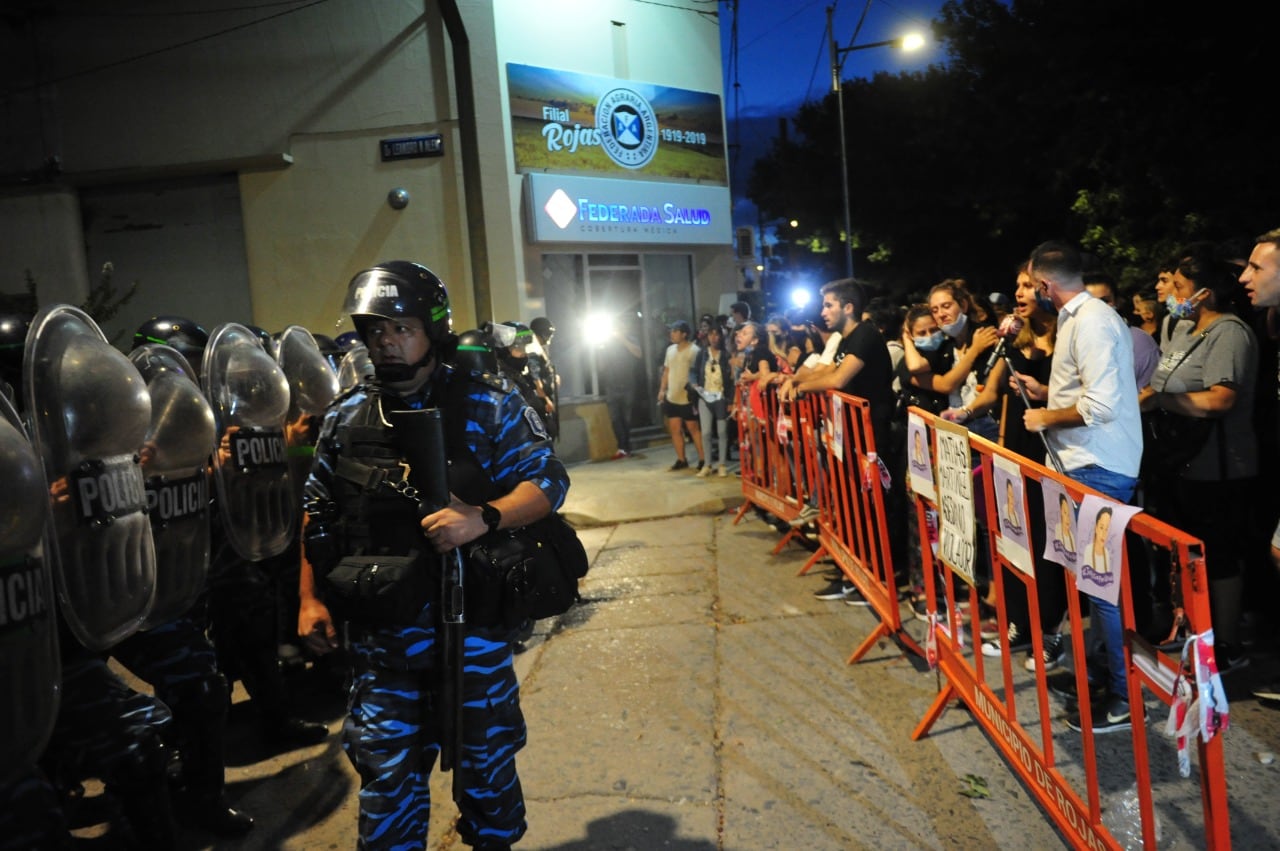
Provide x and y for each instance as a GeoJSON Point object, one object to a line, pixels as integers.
{"type": "Point", "coordinates": [469, 143]}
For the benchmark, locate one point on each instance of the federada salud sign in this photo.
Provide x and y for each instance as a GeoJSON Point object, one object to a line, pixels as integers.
{"type": "Point", "coordinates": [568, 123]}
{"type": "Point", "coordinates": [563, 208]}
{"type": "Point", "coordinates": [412, 147]}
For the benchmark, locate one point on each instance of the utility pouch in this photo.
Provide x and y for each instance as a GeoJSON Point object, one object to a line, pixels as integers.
{"type": "Point", "coordinates": [378, 590]}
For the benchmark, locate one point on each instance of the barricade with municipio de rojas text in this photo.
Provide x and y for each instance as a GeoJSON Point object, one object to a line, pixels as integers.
{"type": "Point", "coordinates": [819, 450]}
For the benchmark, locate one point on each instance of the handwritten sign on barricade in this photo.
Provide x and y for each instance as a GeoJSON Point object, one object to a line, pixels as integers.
{"type": "Point", "coordinates": [958, 535]}
{"type": "Point", "coordinates": [1012, 539]}
{"type": "Point", "coordinates": [1102, 523]}
{"type": "Point", "coordinates": [919, 466]}
{"type": "Point", "coordinates": [1060, 525]}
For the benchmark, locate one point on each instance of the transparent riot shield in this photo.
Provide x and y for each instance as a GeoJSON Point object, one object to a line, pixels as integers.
{"type": "Point", "coordinates": [30, 670]}
{"type": "Point", "coordinates": [250, 398]}
{"type": "Point", "coordinates": [355, 367]}
{"type": "Point", "coordinates": [312, 386]}
{"type": "Point", "coordinates": [89, 410]}
{"type": "Point", "coordinates": [175, 463]}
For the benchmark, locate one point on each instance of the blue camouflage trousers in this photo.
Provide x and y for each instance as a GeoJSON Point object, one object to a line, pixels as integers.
{"type": "Point", "coordinates": [392, 737]}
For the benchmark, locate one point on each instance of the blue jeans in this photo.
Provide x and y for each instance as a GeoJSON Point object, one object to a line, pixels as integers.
{"type": "Point", "coordinates": [1102, 613]}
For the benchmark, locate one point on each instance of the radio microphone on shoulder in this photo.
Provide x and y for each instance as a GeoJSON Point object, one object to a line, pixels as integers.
{"type": "Point", "coordinates": [1006, 331]}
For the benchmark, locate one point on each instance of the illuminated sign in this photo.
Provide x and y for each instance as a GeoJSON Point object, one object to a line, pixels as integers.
{"type": "Point", "coordinates": [561, 208]}
{"type": "Point", "coordinates": [579, 123]}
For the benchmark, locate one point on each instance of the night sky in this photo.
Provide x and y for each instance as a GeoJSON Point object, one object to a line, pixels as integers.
{"type": "Point", "coordinates": [783, 59]}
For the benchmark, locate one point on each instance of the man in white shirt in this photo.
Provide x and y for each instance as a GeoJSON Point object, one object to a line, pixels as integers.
{"type": "Point", "coordinates": [1092, 422]}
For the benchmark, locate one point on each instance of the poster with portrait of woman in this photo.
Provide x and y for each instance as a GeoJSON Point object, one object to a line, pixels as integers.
{"type": "Point", "coordinates": [1060, 525]}
{"type": "Point", "coordinates": [1101, 524]}
{"type": "Point", "coordinates": [1012, 540]}
{"type": "Point", "coordinates": [919, 465]}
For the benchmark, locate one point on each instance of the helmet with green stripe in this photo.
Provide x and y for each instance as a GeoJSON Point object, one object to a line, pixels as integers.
{"type": "Point", "coordinates": [400, 288]}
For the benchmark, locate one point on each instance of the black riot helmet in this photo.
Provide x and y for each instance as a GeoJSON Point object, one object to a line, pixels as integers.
{"type": "Point", "coordinates": [519, 335]}
{"type": "Point", "coordinates": [473, 352]}
{"type": "Point", "coordinates": [13, 341]}
{"type": "Point", "coordinates": [177, 332]}
{"type": "Point", "coordinates": [542, 326]}
{"type": "Point", "coordinates": [399, 288]}
{"type": "Point", "coordinates": [508, 336]}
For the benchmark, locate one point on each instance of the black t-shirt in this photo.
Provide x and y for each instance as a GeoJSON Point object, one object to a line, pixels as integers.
{"type": "Point", "coordinates": [874, 381]}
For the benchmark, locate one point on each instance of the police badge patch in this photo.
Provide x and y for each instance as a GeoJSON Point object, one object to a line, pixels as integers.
{"type": "Point", "coordinates": [535, 423]}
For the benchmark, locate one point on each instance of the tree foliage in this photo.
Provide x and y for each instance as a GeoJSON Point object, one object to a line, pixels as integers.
{"type": "Point", "coordinates": [1119, 124]}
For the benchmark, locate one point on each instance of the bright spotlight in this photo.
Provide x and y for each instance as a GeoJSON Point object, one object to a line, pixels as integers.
{"type": "Point", "coordinates": [800, 297]}
{"type": "Point", "coordinates": [597, 328]}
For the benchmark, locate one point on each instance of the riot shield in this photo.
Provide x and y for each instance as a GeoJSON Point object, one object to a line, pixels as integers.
{"type": "Point", "coordinates": [355, 368]}
{"type": "Point", "coordinates": [250, 398]}
{"type": "Point", "coordinates": [30, 670]}
{"type": "Point", "coordinates": [312, 386]}
{"type": "Point", "coordinates": [89, 411]}
{"type": "Point", "coordinates": [175, 463]}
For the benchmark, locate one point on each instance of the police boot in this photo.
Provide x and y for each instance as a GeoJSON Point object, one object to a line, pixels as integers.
{"type": "Point", "coordinates": [200, 716]}
{"type": "Point", "coordinates": [142, 789]}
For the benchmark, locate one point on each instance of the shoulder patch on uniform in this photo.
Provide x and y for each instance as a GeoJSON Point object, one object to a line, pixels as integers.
{"type": "Point", "coordinates": [535, 423]}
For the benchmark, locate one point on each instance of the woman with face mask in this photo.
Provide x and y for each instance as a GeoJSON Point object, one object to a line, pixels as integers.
{"type": "Point", "coordinates": [1208, 370]}
{"type": "Point", "coordinates": [921, 333]}
{"type": "Point", "coordinates": [958, 366]}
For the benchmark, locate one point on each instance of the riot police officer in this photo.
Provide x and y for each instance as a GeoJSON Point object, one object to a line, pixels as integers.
{"type": "Point", "coordinates": [544, 368]}
{"type": "Point", "coordinates": [513, 343]}
{"type": "Point", "coordinates": [357, 513]}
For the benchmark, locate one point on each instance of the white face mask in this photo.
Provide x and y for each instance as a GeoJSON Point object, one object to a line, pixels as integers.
{"type": "Point", "coordinates": [928, 343]}
{"type": "Point", "coordinates": [955, 329]}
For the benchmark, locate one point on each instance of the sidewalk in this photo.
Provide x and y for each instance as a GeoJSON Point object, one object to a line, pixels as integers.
{"type": "Point", "coordinates": [700, 700]}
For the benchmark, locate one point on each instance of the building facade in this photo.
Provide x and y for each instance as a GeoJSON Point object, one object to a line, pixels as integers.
{"type": "Point", "coordinates": [559, 158]}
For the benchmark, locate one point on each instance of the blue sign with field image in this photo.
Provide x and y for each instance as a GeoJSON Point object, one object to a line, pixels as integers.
{"type": "Point", "coordinates": [583, 124]}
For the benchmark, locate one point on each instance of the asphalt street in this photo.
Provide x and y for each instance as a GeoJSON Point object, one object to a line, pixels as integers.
{"type": "Point", "coordinates": [699, 699]}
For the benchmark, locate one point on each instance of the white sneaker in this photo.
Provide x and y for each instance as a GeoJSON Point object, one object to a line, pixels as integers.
{"type": "Point", "coordinates": [807, 514]}
{"type": "Point", "coordinates": [723, 472]}
{"type": "Point", "coordinates": [705, 471]}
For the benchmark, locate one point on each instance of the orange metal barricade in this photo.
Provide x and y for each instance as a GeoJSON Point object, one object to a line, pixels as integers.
{"type": "Point", "coordinates": [826, 455]}
{"type": "Point", "coordinates": [820, 449]}
{"type": "Point", "coordinates": [852, 523]}
{"type": "Point", "coordinates": [770, 454]}
{"type": "Point", "coordinates": [993, 701]}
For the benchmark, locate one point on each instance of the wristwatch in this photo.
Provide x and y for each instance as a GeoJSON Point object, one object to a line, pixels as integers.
{"type": "Point", "coordinates": [491, 516]}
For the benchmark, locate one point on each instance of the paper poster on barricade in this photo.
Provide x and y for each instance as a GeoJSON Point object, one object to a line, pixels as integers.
{"type": "Point", "coordinates": [1012, 540]}
{"type": "Point", "coordinates": [958, 535]}
{"type": "Point", "coordinates": [919, 467]}
{"type": "Point", "coordinates": [1060, 525]}
{"type": "Point", "coordinates": [837, 427]}
{"type": "Point", "coordinates": [1101, 524]}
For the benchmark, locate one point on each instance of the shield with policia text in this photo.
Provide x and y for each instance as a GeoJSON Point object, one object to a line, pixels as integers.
{"type": "Point", "coordinates": [89, 411]}
{"type": "Point", "coordinates": [175, 463]}
{"type": "Point", "coordinates": [250, 398]}
{"type": "Point", "coordinates": [30, 670]}
{"type": "Point", "coordinates": [312, 386]}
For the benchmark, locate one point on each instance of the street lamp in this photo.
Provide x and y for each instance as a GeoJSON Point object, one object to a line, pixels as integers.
{"type": "Point", "coordinates": [909, 42]}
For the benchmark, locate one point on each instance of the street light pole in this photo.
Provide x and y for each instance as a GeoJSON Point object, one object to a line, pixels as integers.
{"type": "Point", "coordinates": [837, 66]}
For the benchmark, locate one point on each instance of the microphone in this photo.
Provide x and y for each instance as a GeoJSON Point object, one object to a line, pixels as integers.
{"type": "Point", "coordinates": [1007, 330]}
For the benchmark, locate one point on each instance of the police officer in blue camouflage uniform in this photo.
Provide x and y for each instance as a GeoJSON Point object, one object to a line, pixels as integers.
{"type": "Point", "coordinates": [392, 734]}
